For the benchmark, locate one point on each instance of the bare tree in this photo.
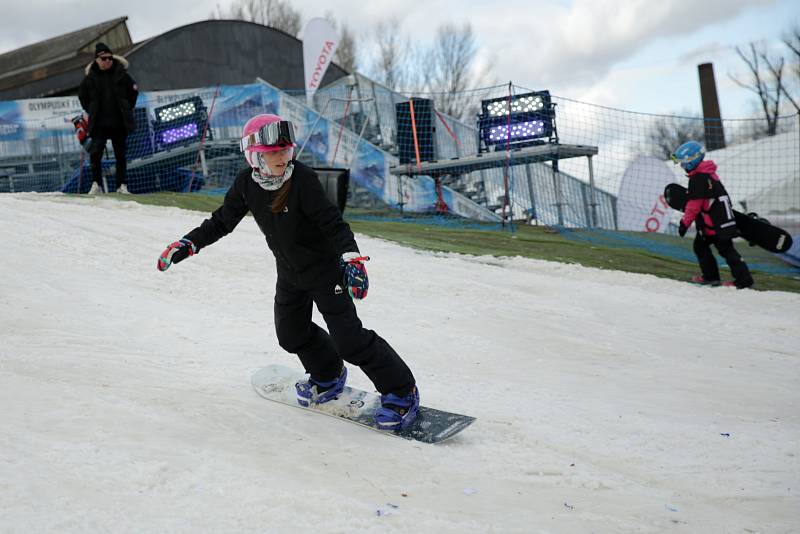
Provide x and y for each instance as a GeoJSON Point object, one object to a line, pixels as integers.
{"type": "Point", "coordinates": [345, 55]}
{"type": "Point", "coordinates": [450, 69]}
{"type": "Point", "coordinates": [391, 52]}
{"type": "Point", "coordinates": [792, 42]}
{"type": "Point", "coordinates": [394, 60]}
{"type": "Point", "coordinates": [278, 14]}
{"type": "Point", "coordinates": [768, 86]}
{"type": "Point", "coordinates": [286, 18]}
{"type": "Point", "coordinates": [446, 68]}
{"type": "Point", "coordinates": [346, 51]}
{"type": "Point", "coordinates": [668, 133]}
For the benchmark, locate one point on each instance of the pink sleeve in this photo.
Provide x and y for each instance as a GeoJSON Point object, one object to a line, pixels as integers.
{"type": "Point", "coordinates": [693, 207]}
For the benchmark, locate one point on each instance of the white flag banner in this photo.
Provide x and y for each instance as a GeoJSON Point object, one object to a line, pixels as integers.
{"type": "Point", "coordinates": [640, 205]}
{"type": "Point", "coordinates": [319, 44]}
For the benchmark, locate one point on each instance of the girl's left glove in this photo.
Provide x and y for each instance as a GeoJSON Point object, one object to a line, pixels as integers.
{"type": "Point", "coordinates": [354, 274]}
{"type": "Point", "coordinates": [175, 253]}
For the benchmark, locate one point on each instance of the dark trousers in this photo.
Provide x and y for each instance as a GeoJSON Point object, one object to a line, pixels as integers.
{"type": "Point", "coordinates": [118, 138]}
{"type": "Point", "coordinates": [708, 263]}
{"type": "Point", "coordinates": [322, 353]}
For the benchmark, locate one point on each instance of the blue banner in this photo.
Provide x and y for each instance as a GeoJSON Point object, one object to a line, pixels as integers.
{"type": "Point", "coordinates": [11, 128]}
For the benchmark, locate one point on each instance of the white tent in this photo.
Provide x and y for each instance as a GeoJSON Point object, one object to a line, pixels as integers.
{"type": "Point", "coordinates": [749, 170]}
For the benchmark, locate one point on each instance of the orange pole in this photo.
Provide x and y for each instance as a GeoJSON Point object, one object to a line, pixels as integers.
{"type": "Point", "coordinates": [414, 132]}
{"type": "Point", "coordinates": [446, 127]}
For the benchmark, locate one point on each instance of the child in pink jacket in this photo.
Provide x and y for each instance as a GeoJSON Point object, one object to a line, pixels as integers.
{"type": "Point", "coordinates": [709, 208]}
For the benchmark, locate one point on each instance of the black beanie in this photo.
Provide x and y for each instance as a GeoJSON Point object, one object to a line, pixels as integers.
{"type": "Point", "coordinates": [99, 48]}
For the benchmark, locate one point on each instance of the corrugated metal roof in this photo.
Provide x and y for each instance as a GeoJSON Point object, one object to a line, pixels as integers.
{"type": "Point", "coordinates": [189, 56]}
{"type": "Point", "coordinates": [55, 49]}
{"type": "Point", "coordinates": [75, 63]}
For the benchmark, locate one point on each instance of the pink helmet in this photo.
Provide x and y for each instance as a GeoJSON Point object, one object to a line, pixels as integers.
{"type": "Point", "coordinates": [266, 133]}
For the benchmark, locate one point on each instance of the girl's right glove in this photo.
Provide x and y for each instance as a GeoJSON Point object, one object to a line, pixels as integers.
{"type": "Point", "coordinates": [354, 274]}
{"type": "Point", "coordinates": [175, 253]}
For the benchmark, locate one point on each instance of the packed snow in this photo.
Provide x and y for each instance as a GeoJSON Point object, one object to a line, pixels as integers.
{"type": "Point", "coordinates": [605, 401]}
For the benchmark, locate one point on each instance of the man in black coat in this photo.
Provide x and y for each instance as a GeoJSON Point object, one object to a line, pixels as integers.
{"type": "Point", "coordinates": [108, 94]}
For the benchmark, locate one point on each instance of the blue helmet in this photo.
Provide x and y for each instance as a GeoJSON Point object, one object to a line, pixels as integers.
{"type": "Point", "coordinates": [689, 155]}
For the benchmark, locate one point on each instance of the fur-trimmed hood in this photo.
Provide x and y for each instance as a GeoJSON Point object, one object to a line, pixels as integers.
{"type": "Point", "coordinates": [118, 59]}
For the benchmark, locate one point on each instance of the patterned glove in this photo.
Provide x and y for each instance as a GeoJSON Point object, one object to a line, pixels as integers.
{"type": "Point", "coordinates": [682, 229]}
{"type": "Point", "coordinates": [175, 253]}
{"type": "Point", "coordinates": [354, 274]}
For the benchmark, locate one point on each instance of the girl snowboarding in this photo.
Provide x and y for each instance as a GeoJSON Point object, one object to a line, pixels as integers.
{"type": "Point", "coordinates": [318, 262]}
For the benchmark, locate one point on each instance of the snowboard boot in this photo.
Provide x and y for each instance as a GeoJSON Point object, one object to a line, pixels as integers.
{"type": "Point", "coordinates": [316, 392]}
{"type": "Point", "coordinates": [743, 284]}
{"type": "Point", "coordinates": [699, 280]}
{"type": "Point", "coordinates": [397, 413]}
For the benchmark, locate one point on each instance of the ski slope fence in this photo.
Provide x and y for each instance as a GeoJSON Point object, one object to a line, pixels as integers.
{"type": "Point", "coordinates": [489, 156]}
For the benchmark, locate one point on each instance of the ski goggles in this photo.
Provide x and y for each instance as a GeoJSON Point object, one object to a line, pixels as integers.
{"type": "Point", "coordinates": [276, 134]}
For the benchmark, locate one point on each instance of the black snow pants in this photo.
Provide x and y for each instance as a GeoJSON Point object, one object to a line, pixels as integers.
{"type": "Point", "coordinates": [322, 353]}
{"type": "Point", "coordinates": [708, 263]}
{"type": "Point", "coordinates": [118, 137]}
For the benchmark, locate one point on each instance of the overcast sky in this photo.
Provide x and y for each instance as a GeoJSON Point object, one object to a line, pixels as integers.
{"type": "Point", "coordinates": [640, 55]}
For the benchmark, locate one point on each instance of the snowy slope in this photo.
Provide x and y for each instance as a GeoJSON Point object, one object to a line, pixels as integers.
{"type": "Point", "coordinates": [604, 402]}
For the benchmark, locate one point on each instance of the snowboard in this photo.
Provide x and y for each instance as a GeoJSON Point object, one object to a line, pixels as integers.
{"type": "Point", "coordinates": [276, 383]}
{"type": "Point", "coordinates": [753, 229]}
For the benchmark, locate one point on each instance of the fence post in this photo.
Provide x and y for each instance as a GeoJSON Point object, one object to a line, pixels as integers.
{"type": "Point", "coordinates": [203, 164]}
{"type": "Point", "coordinates": [592, 200]}
{"type": "Point", "coordinates": [400, 199]}
{"type": "Point", "coordinates": [60, 160]}
{"type": "Point", "coordinates": [532, 211]}
{"type": "Point", "coordinates": [557, 187]}
{"type": "Point", "coordinates": [383, 141]}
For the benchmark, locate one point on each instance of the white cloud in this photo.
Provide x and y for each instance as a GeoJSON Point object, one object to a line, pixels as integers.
{"type": "Point", "coordinates": [575, 46]}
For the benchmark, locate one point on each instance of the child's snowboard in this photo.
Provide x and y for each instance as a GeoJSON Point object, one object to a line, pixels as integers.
{"type": "Point", "coordinates": [754, 230]}
{"type": "Point", "coordinates": [276, 383]}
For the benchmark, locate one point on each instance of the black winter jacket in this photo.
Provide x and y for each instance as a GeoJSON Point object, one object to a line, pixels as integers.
{"type": "Point", "coordinates": [307, 238]}
{"type": "Point", "coordinates": [125, 93]}
{"type": "Point", "coordinates": [715, 216]}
